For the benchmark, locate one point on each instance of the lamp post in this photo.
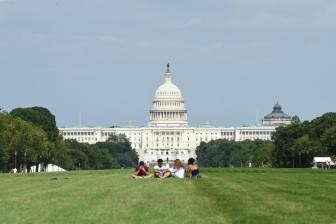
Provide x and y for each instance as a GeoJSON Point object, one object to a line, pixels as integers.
{"type": "Point", "coordinates": [15, 154]}
{"type": "Point", "coordinates": [38, 164]}
{"type": "Point", "coordinates": [25, 161]}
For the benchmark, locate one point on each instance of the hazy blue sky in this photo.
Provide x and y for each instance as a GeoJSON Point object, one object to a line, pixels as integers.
{"type": "Point", "coordinates": [232, 59]}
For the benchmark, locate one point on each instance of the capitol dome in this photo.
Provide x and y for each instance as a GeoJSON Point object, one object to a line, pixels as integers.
{"type": "Point", "coordinates": [168, 105]}
{"type": "Point", "coordinates": [168, 91]}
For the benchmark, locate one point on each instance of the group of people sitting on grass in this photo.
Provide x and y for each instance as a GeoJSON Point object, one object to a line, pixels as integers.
{"type": "Point", "coordinates": [162, 171]}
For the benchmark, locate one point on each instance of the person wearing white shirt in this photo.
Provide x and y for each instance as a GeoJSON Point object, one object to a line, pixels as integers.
{"type": "Point", "coordinates": [160, 170]}
{"type": "Point", "coordinates": [177, 171]}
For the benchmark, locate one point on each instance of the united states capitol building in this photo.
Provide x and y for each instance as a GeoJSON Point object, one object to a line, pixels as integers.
{"type": "Point", "coordinates": [168, 135]}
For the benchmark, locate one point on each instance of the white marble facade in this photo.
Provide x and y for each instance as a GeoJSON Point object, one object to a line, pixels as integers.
{"type": "Point", "coordinates": [168, 135]}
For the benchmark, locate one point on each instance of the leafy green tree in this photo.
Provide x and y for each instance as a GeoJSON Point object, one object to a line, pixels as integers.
{"type": "Point", "coordinates": [5, 151]}
{"type": "Point", "coordinates": [320, 124]}
{"type": "Point", "coordinates": [296, 120]}
{"type": "Point", "coordinates": [223, 153]}
{"type": "Point", "coordinates": [28, 141]}
{"type": "Point", "coordinates": [299, 142]}
{"type": "Point", "coordinates": [263, 154]}
{"type": "Point", "coordinates": [33, 135]}
{"type": "Point", "coordinates": [43, 118]}
{"type": "Point", "coordinates": [121, 151]}
{"type": "Point", "coordinates": [114, 153]}
{"type": "Point", "coordinates": [284, 139]}
{"type": "Point", "coordinates": [328, 139]}
{"type": "Point", "coordinates": [40, 117]}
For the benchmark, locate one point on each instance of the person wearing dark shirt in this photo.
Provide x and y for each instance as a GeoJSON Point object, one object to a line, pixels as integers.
{"type": "Point", "coordinates": [141, 171]}
{"type": "Point", "coordinates": [193, 170]}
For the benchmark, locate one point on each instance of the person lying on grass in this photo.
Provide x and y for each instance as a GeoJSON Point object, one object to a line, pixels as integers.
{"type": "Point", "coordinates": [141, 171]}
{"type": "Point", "coordinates": [193, 170]}
{"type": "Point", "coordinates": [177, 171]}
{"type": "Point", "coordinates": [160, 170]}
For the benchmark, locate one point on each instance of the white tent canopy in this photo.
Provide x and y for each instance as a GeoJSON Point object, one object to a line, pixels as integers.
{"type": "Point", "coordinates": [323, 161]}
{"type": "Point", "coordinates": [54, 168]}
{"type": "Point", "coordinates": [50, 168]}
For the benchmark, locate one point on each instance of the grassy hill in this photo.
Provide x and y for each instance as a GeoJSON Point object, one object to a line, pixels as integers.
{"type": "Point", "coordinates": [221, 196]}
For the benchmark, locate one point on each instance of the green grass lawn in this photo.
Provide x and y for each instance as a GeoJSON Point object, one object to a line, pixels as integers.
{"type": "Point", "coordinates": [221, 196]}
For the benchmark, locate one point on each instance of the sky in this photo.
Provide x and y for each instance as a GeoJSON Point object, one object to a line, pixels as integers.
{"type": "Point", "coordinates": [99, 62]}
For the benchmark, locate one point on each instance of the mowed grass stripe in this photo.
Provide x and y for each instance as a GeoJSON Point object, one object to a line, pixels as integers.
{"type": "Point", "coordinates": [103, 197]}
{"type": "Point", "coordinates": [221, 196]}
{"type": "Point", "coordinates": [43, 199]}
{"type": "Point", "coordinates": [286, 197]}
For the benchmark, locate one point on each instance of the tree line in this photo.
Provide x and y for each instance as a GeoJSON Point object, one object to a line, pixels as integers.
{"type": "Point", "coordinates": [29, 136]}
{"type": "Point", "coordinates": [225, 153]}
{"type": "Point", "coordinates": [297, 144]}
{"type": "Point", "coordinates": [294, 145]}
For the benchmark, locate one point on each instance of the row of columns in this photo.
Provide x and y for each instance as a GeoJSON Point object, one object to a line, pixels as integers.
{"type": "Point", "coordinates": [168, 104]}
{"type": "Point", "coordinates": [169, 116]}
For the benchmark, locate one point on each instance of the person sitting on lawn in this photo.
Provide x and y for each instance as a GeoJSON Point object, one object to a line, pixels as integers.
{"type": "Point", "coordinates": [141, 171]}
{"type": "Point", "coordinates": [177, 171]}
{"type": "Point", "coordinates": [193, 169]}
{"type": "Point", "coordinates": [160, 170]}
